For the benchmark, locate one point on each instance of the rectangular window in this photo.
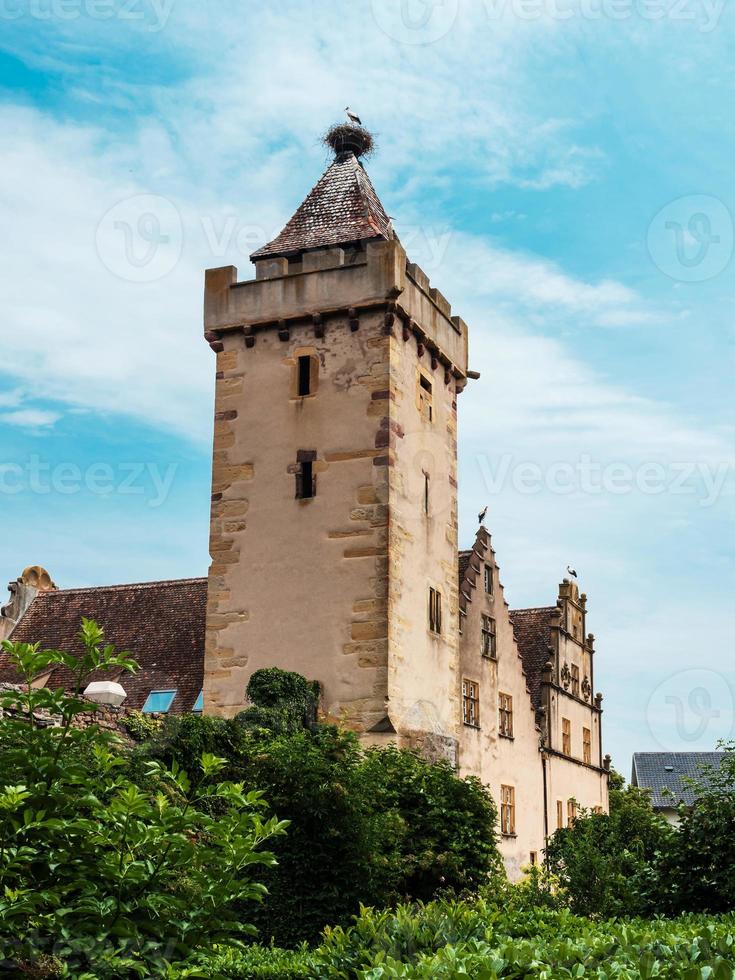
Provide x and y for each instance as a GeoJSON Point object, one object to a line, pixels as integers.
{"type": "Point", "coordinates": [489, 579]}
{"type": "Point", "coordinates": [305, 478]}
{"type": "Point", "coordinates": [575, 680]}
{"type": "Point", "coordinates": [559, 814]}
{"type": "Point", "coordinates": [435, 610]}
{"type": "Point", "coordinates": [571, 811]}
{"type": "Point", "coordinates": [304, 375]}
{"type": "Point", "coordinates": [488, 639]}
{"type": "Point", "coordinates": [159, 701]}
{"type": "Point", "coordinates": [426, 398]}
{"type": "Point", "coordinates": [505, 702]}
{"type": "Point", "coordinates": [566, 736]}
{"type": "Point", "coordinates": [199, 704]}
{"type": "Point", "coordinates": [471, 703]}
{"type": "Point", "coordinates": [534, 857]}
{"type": "Point", "coordinates": [507, 811]}
{"type": "Point", "coordinates": [587, 746]}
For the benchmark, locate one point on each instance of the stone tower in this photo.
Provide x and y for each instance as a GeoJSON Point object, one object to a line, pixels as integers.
{"type": "Point", "coordinates": [334, 495]}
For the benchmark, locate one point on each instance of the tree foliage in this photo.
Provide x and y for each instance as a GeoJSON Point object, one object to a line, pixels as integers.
{"type": "Point", "coordinates": [609, 864]}
{"type": "Point", "coordinates": [99, 876]}
{"type": "Point", "coordinates": [699, 872]}
{"type": "Point", "coordinates": [371, 827]}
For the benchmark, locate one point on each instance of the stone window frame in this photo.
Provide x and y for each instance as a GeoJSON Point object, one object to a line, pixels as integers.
{"type": "Point", "coordinates": [559, 814]}
{"type": "Point", "coordinates": [470, 703]}
{"type": "Point", "coordinates": [505, 715]}
{"type": "Point", "coordinates": [566, 736]}
{"type": "Point", "coordinates": [488, 637]}
{"type": "Point", "coordinates": [305, 460]}
{"type": "Point", "coordinates": [435, 611]}
{"type": "Point", "coordinates": [425, 395]}
{"type": "Point", "coordinates": [587, 746]}
{"type": "Point", "coordinates": [312, 354]}
{"type": "Point", "coordinates": [571, 811]}
{"type": "Point", "coordinates": [507, 810]}
{"type": "Point", "coordinates": [574, 680]}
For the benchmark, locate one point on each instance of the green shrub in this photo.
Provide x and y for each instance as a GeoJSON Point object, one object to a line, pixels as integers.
{"type": "Point", "coordinates": [455, 939]}
{"type": "Point", "coordinates": [699, 870]}
{"type": "Point", "coordinates": [282, 701]}
{"type": "Point", "coordinates": [370, 827]}
{"type": "Point", "coordinates": [609, 864]}
{"type": "Point", "coordinates": [100, 877]}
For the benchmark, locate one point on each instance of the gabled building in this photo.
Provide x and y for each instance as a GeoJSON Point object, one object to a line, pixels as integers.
{"type": "Point", "coordinates": [339, 372]}
{"type": "Point", "coordinates": [668, 777]}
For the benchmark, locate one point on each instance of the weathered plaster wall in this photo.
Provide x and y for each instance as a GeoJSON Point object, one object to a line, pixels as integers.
{"type": "Point", "coordinates": [495, 759]}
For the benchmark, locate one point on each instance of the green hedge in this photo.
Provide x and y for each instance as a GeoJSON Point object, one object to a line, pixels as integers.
{"type": "Point", "coordinates": [446, 940]}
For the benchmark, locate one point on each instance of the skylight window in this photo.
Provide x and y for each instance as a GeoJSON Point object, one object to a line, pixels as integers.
{"type": "Point", "coordinates": [199, 704]}
{"type": "Point", "coordinates": [159, 701]}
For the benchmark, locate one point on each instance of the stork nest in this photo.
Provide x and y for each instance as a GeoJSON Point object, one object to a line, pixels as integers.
{"type": "Point", "coordinates": [348, 138]}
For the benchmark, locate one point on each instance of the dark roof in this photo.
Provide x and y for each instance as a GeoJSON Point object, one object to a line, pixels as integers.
{"type": "Point", "coordinates": [532, 629]}
{"type": "Point", "coordinates": [342, 208]}
{"type": "Point", "coordinates": [662, 771]}
{"type": "Point", "coordinates": [161, 623]}
{"type": "Point", "coordinates": [464, 564]}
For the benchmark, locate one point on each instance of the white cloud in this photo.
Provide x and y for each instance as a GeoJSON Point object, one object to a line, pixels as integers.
{"type": "Point", "coordinates": [30, 418]}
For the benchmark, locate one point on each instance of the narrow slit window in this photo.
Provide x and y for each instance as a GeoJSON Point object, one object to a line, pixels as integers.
{"type": "Point", "coordinates": [435, 610]}
{"type": "Point", "coordinates": [489, 579]}
{"type": "Point", "coordinates": [305, 476]}
{"type": "Point", "coordinates": [304, 377]}
{"type": "Point", "coordinates": [426, 493]}
{"type": "Point", "coordinates": [426, 398]}
{"type": "Point", "coordinates": [559, 814]}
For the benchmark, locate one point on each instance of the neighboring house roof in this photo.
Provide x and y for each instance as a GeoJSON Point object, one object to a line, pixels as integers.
{"type": "Point", "coordinates": [160, 623]}
{"type": "Point", "coordinates": [662, 773]}
{"type": "Point", "coordinates": [532, 628]}
{"type": "Point", "coordinates": [342, 208]}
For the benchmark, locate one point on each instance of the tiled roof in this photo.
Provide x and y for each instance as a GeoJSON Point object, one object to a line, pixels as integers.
{"type": "Point", "coordinates": [662, 773]}
{"type": "Point", "coordinates": [532, 629]}
{"type": "Point", "coordinates": [464, 564]}
{"type": "Point", "coordinates": [161, 623]}
{"type": "Point", "coordinates": [341, 208]}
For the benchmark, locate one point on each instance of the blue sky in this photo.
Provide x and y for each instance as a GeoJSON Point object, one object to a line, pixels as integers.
{"type": "Point", "coordinates": [562, 169]}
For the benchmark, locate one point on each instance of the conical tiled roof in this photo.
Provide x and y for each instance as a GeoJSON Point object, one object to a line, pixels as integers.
{"type": "Point", "coordinates": [341, 208]}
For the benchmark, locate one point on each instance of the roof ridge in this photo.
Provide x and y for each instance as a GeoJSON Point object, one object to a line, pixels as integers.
{"type": "Point", "coordinates": [125, 585]}
{"type": "Point", "coordinates": [530, 609]}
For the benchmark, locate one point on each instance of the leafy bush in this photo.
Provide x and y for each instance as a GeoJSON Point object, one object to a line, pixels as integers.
{"type": "Point", "coordinates": [453, 939]}
{"type": "Point", "coordinates": [370, 827]}
{"type": "Point", "coordinates": [699, 870]}
{"type": "Point", "coordinates": [436, 832]}
{"type": "Point", "coordinates": [609, 865]}
{"type": "Point", "coordinates": [282, 701]}
{"type": "Point", "coordinates": [98, 874]}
